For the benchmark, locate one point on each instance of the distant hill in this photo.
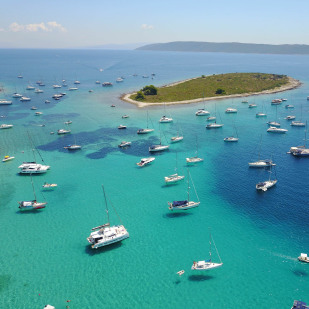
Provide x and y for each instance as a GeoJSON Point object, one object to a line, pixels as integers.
{"type": "Point", "coordinates": [228, 48]}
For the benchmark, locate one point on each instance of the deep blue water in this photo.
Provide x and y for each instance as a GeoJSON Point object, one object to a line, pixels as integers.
{"type": "Point", "coordinates": [45, 258]}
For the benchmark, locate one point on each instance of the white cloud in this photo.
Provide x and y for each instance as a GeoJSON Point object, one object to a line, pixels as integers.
{"type": "Point", "coordinates": [48, 27]}
{"type": "Point", "coordinates": [147, 27]}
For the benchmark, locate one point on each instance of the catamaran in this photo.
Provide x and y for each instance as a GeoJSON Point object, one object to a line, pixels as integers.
{"type": "Point", "coordinates": [207, 264]}
{"type": "Point", "coordinates": [106, 234]}
{"type": "Point", "coordinates": [185, 204]}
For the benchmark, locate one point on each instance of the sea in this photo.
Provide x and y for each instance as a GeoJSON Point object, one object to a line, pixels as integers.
{"type": "Point", "coordinates": [45, 257]}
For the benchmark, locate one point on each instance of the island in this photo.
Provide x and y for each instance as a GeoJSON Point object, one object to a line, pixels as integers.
{"type": "Point", "coordinates": [212, 87]}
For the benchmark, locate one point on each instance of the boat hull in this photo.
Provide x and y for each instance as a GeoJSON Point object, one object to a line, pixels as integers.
{"type": "Point", "coordinates": [185, 206]}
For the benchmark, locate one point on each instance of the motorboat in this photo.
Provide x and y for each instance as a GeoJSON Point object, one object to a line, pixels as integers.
{"type": "Point", "coordinates": [73, 147]}
{"type": "Point", "coordinates": [231, 110]}
{"type": "Point", "coordinates": [119, 80]}
{"type": "Point", "coordinates": [165, 119]}
{"type": "Point", "coordinates": [124, 144]}
{"type": "Point", "coordinates": [7, 158]}
{"type": "Point", "coordinates": [63, 131]}
{"type": "Point", "coordinates": [49, 185]}
{"type": "Point", "coordinates": [231, 139]}
{"type": "Point", "coordinates": [290, 117]}
{"type": "Point", "coordinates": [33, 168]}
{"type": "Point", "coordinates": [252, 105]}
{"type": "Point", "coordinates": [125, 116]}
{"type": "Point", "coordinates": [38, 113]}
{"type": "Point", "coordinates": [274, 123]}
{"type": "Point", "coordinates": [121, 127]}
{"type": "Point", "coordinates": [260, 115]}
{"type": "Point", "coordinates": [97, 82]}
{"type": "Point", "coordinates": [214, 125]}
{"type": "Point", "coordinates": [77, 82]}
{"type": "Point", "coordinates": [297, 124]}
{"type": "Point", "coordinates": [113, 105]}
{"type": "Point", "coordinates": [173, 178]}
{"type": "Point", "coordinates": [262, 163]}
{"type": "Point", "coordinates": [47, 101]}
{"type": "Point", "coordinates": [68, 122]}
{"type": "Point", "coordinates": [33, 108]}
{"type": "Point", "coordinates": [303, 258]}
{"type": "Point", "coordinates": [20, 76]}
{"type": "Point", "coordinates": [202, 112]}
{"type": "Point", "coordinates": [276, 102]}
{"type": "Point", "coordinates": [145, 161]}
{"type": "Point", "coordinates": [289, 106]}
{"type": "Point", "coordinates": [195, 159]}
{"type": "Point", "coordinates": [24, 99]}
{"type": "Point", "coordinates": [284, 100]}
{"type": "Point", "coordinates": [5, 102]}
{"type": "Point", "coordinates": [185, 204]}
{"type": "Point", "coordinates": [17, 95]}
{"type": "Point", "coordinates": [6, 126]}
{"type": "Point", "coordinates": [176, 139]}
{"type": "Point", "coordinates": [73, 88]}
{"type": "Point", "coordinates": [106, 234]}
{"type": "Point", "coordinates": [211, 118]}
{"type": "Point", "coordinates": [276, 130]}
{"type": "Point", "coordinates": [107, 84]}
{"type": "Point", "coordinates": [30, 87]}
{"type": "Point", "coordinates": [207, 264]}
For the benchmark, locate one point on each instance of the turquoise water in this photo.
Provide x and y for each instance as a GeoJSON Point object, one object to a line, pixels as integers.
{"type": "Point", "coordinates": [45, 257]}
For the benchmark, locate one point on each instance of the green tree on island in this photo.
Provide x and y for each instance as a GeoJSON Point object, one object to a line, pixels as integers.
{"type": "Point", "coordinates": [150, 90]}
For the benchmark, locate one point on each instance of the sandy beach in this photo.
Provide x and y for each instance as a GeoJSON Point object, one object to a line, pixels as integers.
{"type": "Point", "coordinates": [292, 84]}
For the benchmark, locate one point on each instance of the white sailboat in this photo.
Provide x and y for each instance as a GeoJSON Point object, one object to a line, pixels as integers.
{"type": "Point", "coordinates": [171, 179]}
{"type": "Point", "coordinates": [232, 138]}
{"type": "Point", "coordinates": [207, 264]}
{"type": "Point", "coordinates": [265, 185]}
{"type": "Point", "coordinates": [202, 111]}
{"type": "Point", "coordinates": [160, 147]}
{"type": "Point", "coordinates": [165, 119]}
{"type": "Point", "coordinates": [147, 130]}
{"type": "Point", "coordinates": [31, 205]}
{"type": "Point", "coordinates": [300, 151]}
{"type": "Point", "coordinates": [261, 163]}
{"type": "Point", "coordinates": [106, 234]}
{"type": "Point", "coordinates": [177, 138]}
{"type": "Point", "coordinates": [196, 158]}
{"type": "Point", "coordinates": [185, 204]}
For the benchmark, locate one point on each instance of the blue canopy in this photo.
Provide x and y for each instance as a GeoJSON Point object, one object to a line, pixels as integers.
{"type": "Point", "coordinates": [179, 203]}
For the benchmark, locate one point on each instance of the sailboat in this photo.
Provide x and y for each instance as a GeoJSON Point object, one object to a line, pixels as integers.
{"type": "Point", "coordinates": [160, 147]}
{"type": "Point", "coordinates": [261, 114]}
{"type": "Point", "coordinates": [30, 205]}
{"type": "Point", "coordinates": [147, 130]}
{"type": "Point", "coordinates": [73, 146]}
{"type": "Point", "coordinates": [274, 123]}
{"type": "Point", "coordinates": [214, 125]}
{"type": "Point", "coordinates": [232, 138]}
{"type": "Point", "coordinates": [33, 167]}
{"type": "Point", "coordinates": [196, 158]}
{"type": "Point", "coordinates": [298, 123]}
{"type": "Point", "coordinates": [202, 111]}
{"type": "Point", "coordinates": [185, 204]}
{"type": "Point", "coordinates": [177, 138]}
{"type": "Point", "coordinates": [266, 184]}
{"type": "Point", "coordinates": [300, 151]}
{"type": "Point", "coordinates": [175, 177]}
{"type": "Point", "coordinates": [207, 264]}
{"type": "Point", "coordinates": [106, 234]}
{"type": "Point", "coordinates": [165, 119]}
{"type": "Point", "coordinates": [259, 162]}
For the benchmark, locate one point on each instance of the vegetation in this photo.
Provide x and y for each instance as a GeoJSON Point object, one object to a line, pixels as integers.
{"type": "Point", "coordinates": [212, 86]}
{"type": "Point", "coordinates": [150, 90]}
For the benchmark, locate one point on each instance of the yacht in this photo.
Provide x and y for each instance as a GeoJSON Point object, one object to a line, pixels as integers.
{"type": "Point", "coordinates": [276, 130]}
{"type": "Point", "coordinates": [33, 168]}
{"type": "Point", "coordinates": [262, 163]}
{"type": "Point", "coordinates": [273, 123]}
{"type": "Point", "coordinates": [56, 86]}
{"type": "Point", "coordinates": [63, 131]}
{"type": "Point", "coordinates": [156, 148]}
{"type": "Point", "coordinates": [124, 144]}
{"type": "Point", "coordinates": [49, 185]}
{"type": "Point", "coordinates": [5, 102]}
{"type": "Point", "coordinates": [252, 105]}
{"type": "Point", "coordinates": [265, 185]}
{"type": "Point", "coordinates": [214, 125]}
{"type": "Point", "coordinates": [30, 88]}
{"type": "Point", "coordinates": [299, 151]}
{"type": "Point", "coordinates": [244, 101]}
{"type": "Point", "coordinates": [98, 82]}
{"type": "Point", "coordinates": [284, 100]}
{"type": "Point", "coordinates": [106, 234]}
{"type": "Point", "coordinates": [195, 159]}
{"type": "Point", "coordinates": [33, 108]}
{"type": "Point", "coordinates": [276, 102]}
{"type": "Point", "coordinates": [176, 139]}
{"type": "Point", "coordinates": [6, 126]}
{"type": "Point", "coordinates": [31, 205]}
{"type": "Point", "coordinates": [77, 82]}
{"type": "Point", "coordinates": [231, 139]}
{"type": "Point", "coordinates": [68, 122]}
{"type": "Point", "coordinates": [119, 80]}
{"type": "Point", "coordinates": [202, 112]}
{"type": "Point", "coordinates": [231, 110]}
{"type": "Point", "coordinates": [20, 76]}
{"type": "Point", "coordinates": [261, 115]}
{"type": "Point", "coordinates": [211, 118]}
{"type": "Point", "coordinates": [121, 127]}
{"type": "Point", "coordinates": [125, 116]}
{"type": "Point", "coordinates": [290, 117]}
{"type": "Point", "coordinates": [165, 119]}
{"type": "Point", "coordinates": [24, 99]}
{"type": "Point", "coordinates": [107, 84]}
{"type": "Point", "coordinates": [145, 161]}
{"type": "Point", "coordinates": [289, 106]}
{"type": "Point", "coordinates": [144, 131]}
{"type": "Point", "coordinates": [38, 91]}
{"type": "Point", "coordinates": [173, 178]}
{"type": "Point", "coordinates": [303, 258]}
{"type": "Point", "coordinates": [17, 95]}
{"type": "Point", "coordinates": [73, 88]}
{"type": "Point", "coordinates": [73, 147]}
{"type": "Point", "coordinates": [38, 113]}
{"type": "Point", "coordinates": [47, 101]}
{"type": "Point", "coordinates": [297, 124]}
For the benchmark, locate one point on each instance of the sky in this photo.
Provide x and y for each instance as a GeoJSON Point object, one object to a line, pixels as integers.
{"type": "Point", "coordinates": [83, 24]}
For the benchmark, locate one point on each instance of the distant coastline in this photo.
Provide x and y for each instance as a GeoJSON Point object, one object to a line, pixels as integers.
{"type": "Point", "coordinates": [292, 84]}
{"type": "Point", "coordinates": [230, 47]}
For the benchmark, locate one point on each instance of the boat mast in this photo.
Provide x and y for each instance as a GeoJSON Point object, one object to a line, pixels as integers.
{"type": "Point", "coordinates": [33, 187]}
{"type": "Point", "coordinates": [210, 245]}
{"type": "Point", "coordinates": [188, 187]}
{"type": "Point", "coordinates": [105, 204]}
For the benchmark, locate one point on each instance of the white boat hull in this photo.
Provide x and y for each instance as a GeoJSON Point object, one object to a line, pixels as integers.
{"type": "Point", "coordinates": [173, 178]}
{"type": "Point", "coordinates": [185, 206]}
{"type": "Point", "coordinates": [194, 160]}
{"type": "Point", "coordinates": [204, 265]}
{"type": "Point", "coordinates": [156, 148]}
{"type": "Point", "coordinates": [266, 185]}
